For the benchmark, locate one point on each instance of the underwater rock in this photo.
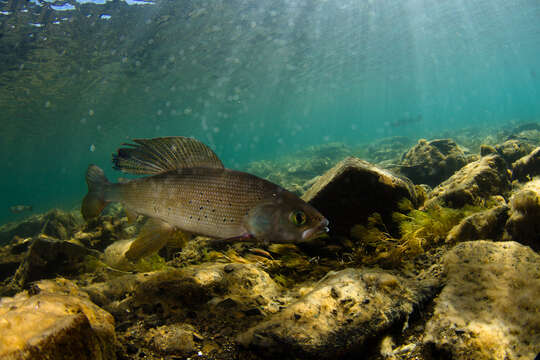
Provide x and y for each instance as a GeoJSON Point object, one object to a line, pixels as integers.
{"type": "Point", "coordinates": [105, 230]}
{"type": "Point", "coordinates": [47, 258]}
{"type": "Point", "coordinates": [487, 224]}
{"type": "Point", "coordinates": [524, 127]}
{"type": "Point", "coordinates": [55, 223]}
{"type": "Point", "coordinates": [55, 320]}
{"type": "Point", "coordinates": [192, 286]}
{"type": "Point", "coordinates": [431, 162]}
{"type": "Point", "coordinates": [12, 255]}
{"type": "Point", "coordinates": [354, 189]}
{"type": "Point", "coordinates": [386, 150]}
{"type": "Point", "coordinates": [216, 300]}
{"type": "Point", "coordinates": [532, 135]}
{"type": "Point", "coordinates": [473, 184]}
{"type": "Point", "coordinates": [523, 225]}
{"type": "Point", "coordinates": [489, 306]}
{"type": "Point", "coordinates": [527, 167]}
{"type": "Point", "coordinates": [176, 339]}
{"type": "Point", "coordinates": [513, 149]}
{"type": "Point", "coordinates": [487, 150]}
{"type": "Point", "coordinates": [340, 313]}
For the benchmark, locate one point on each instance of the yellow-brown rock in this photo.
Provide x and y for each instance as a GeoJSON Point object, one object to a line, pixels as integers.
{"type": "Point", "coordinates": [473, 184]}
{"type": "Point", "coordinates": [489, 308]}
{"type": "Point", "coordinates": [55, 320]}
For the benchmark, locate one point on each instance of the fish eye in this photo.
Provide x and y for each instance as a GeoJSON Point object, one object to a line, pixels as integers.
{"type": "Point", "coordinates": [298, 217]}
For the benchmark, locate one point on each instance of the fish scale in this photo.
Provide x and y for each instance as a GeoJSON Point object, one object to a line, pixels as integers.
{"type": "Point", "coordinates": [199, 200]}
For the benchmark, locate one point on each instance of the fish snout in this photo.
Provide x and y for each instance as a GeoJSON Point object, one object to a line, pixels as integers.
{"type": "Point", "coordinates": [316, 231]}
{"type": "Point", "coordinates": [324, 224]}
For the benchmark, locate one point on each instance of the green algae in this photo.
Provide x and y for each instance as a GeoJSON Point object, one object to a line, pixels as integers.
{"type": "Point", "coordinates": [419, 230]}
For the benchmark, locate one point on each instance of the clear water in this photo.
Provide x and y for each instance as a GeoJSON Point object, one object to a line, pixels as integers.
{"type": "Point", "coordinates": [253, 79]}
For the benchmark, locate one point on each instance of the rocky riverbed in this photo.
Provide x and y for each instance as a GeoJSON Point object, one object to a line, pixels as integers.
{"type": "Point", "coordinates": [432, 254]}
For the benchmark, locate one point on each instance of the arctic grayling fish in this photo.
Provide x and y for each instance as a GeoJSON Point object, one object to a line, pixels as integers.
{"type": "Point", "coordinates": [189, 189]}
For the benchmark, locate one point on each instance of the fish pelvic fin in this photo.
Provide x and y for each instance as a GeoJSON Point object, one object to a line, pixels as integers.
{"type": "Point", "coordinates": [159, 155]}
{"type": "Point", "coordinates": [153, 236]}
{"type": "Point", "coordinates": [94, 202]}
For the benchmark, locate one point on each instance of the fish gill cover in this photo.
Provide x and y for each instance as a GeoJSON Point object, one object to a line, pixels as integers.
{"type": "Point", "coordinates": [252, 79]}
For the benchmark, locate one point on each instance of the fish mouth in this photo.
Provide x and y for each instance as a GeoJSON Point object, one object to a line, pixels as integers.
{"type": "Point", "coordinates": [316, 231]}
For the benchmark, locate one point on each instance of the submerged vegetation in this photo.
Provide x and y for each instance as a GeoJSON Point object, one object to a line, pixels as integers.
{"type": "Point", "coordinates": [419, 230]}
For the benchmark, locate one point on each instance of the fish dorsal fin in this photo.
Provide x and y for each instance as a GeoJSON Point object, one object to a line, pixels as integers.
{"type": "Point", "coordinates": [155, 156]}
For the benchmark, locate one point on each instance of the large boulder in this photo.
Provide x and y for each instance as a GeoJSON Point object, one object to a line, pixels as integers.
{"type": "Point", "coordinates": [527, 167]}
{"type": "Point", "coordinates": [352, 190]}
{"type": "Point", "coordinates": [473, 184]}
{"type": "Point", "coordinates": [48, 258]}
{"type": "Point", "coordinates": [55, 320]}
{"type": "Point", "coordinates": [340, 314]}
{"type": "Point", "coordinates": [489, 308]}
{"type": "Point", "coordinates": [513, 149]}
{"type": "Point", "coordinates": [523, 225]}
{"type": "Point", "coordinates": [487, 224]}
{"type": "Point", "coordinates": [431, 162]}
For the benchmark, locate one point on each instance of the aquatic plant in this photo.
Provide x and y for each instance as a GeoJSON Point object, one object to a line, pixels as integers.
{"type": "Point", "coordinates": [153, 262]}
{"type": "Point", "coordinates": [419, 230]}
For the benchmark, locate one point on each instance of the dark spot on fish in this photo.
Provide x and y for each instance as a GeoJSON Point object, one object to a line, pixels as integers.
{"type": "Point", "coordinates": [190, 201]}
{"type": "Point", "coordinates": [201, 194]}
{"type": "Point", "coordinates": [206, 216]}
{"type": "Point", "coordinates": [230, 204]}
{"type": "Point", "coordinates": [213, 210]}
{"type": "Point", "coordinates": [201, 208]}
{"type": "Point", "coordinates": [224, 220]}
{"type": "Point", "coordinates": [207, 200]}
{"type": "Point", "coordinates": [191, 217]}
{"type": "Point", "coordinates": [199, 219]}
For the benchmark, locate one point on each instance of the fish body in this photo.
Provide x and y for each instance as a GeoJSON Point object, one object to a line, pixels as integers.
{"type": "Point", "coordinates": [20, 208]}
{"type": "Point", "coordinates": [203, 197]}
{"type": "Point", "coordinates": [406, 121]}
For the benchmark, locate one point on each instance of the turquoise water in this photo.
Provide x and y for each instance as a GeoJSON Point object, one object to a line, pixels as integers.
{"type": "Point", "coordinates": [253, 79]}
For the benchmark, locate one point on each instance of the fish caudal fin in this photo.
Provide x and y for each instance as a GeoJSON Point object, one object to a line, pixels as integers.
{"type": "Point", "coordinates": [94, 202]}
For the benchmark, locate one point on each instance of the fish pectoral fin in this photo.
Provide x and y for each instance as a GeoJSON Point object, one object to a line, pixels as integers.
{"type": "Point", "coordinates": [152, 237]}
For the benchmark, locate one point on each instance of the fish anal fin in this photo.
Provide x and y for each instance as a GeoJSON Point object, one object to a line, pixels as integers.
{"type": "Point", "coordinates": [158, 155]}
{"type": "Point", "coordinates": [152, 237]}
